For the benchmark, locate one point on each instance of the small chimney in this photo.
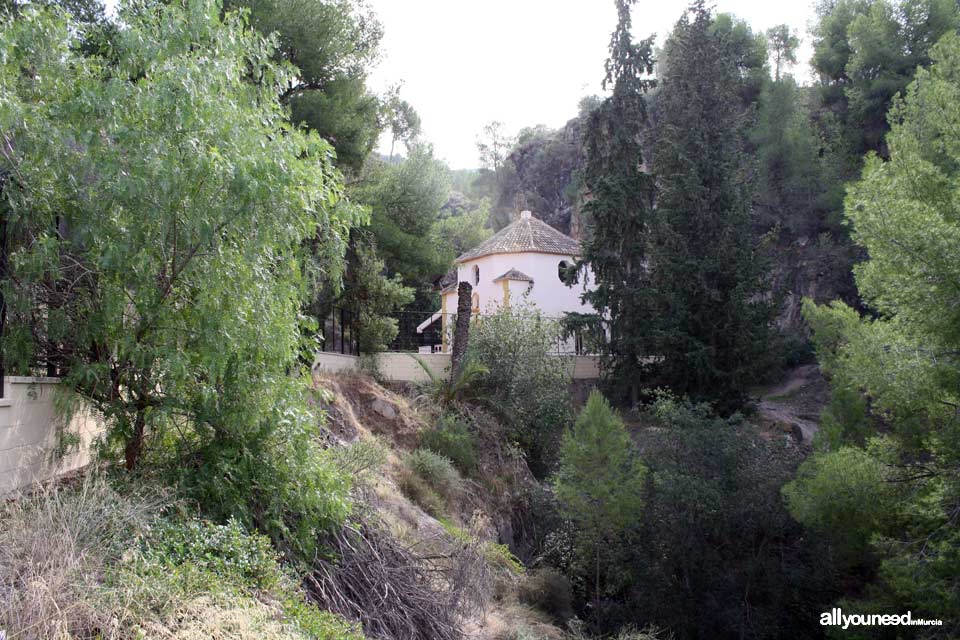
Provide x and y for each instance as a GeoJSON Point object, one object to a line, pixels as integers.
{"type": "Point", "coordinates": [525, 215]}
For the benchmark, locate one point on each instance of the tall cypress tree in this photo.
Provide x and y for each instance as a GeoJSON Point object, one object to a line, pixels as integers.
{"type": "Point", "coordinates": [619, 206]}
{"type": "Point", "coordinates": [714, 317]}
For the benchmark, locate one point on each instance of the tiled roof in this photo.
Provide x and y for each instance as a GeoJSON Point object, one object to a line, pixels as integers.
{"type": "Point", "coordinates": [513, 274]}
{"type": "Point", "coordinates": [525, 235]}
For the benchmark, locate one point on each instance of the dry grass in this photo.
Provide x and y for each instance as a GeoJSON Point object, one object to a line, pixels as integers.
{"type": "Point", "coordinates": [58, 546]}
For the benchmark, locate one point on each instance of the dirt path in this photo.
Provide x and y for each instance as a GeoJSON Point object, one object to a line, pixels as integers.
{"type": "Point", "coordinates": [793, 405]}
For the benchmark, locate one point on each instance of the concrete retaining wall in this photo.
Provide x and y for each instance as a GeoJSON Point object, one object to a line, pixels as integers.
{"type": "Point", "coordinates": [403, 367]}
{"type": "Point", "coordinates": [31, 434]}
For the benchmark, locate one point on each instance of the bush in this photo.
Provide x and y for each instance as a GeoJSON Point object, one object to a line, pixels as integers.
{"type": "Point", "coordinates": [549, 591]}
{"type": "Point", "coordinates": [416, 488]}
{"type": "Point", "coordinates": [87, 561]}
{"type": "Point", "coordinates": [225, 551]}
{"type": "Point", "coordinates": [453, 439]}
{"type": "Point", "coordinates": [524, 381]}
{"type": "Point", "coordinates": [274, 477]}
{"type": "Point", "coordinates": [436, 470]}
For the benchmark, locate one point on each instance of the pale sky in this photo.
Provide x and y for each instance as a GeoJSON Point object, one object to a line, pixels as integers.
{"type": "Point", "coordinates": [523, 62]}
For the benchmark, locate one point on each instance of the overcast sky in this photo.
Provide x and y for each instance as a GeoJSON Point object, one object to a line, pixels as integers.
{"type": "Point", "coordinates": [523, 62]}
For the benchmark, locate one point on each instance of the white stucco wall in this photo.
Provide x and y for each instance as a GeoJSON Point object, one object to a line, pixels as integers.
{"type": "Point", "coordinates": [548, 293]}
{"type": "Point", "coordinates": [30, 434]}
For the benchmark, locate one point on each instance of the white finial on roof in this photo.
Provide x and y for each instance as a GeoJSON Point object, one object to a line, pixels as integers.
{"type": "Point", "coordinates": [525, 215]}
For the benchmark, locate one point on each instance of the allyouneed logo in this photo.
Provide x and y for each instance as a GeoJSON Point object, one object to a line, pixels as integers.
{"type": "Point", "coordinates": [836, 618]}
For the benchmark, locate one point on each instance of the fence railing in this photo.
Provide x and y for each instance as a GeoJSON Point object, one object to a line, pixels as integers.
{"type": "Point", "coordinates": [340, 333]}
{"type": "Point", "coordinates": [425, 332]}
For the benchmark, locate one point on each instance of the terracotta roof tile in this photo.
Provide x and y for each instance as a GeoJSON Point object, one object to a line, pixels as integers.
{"type": "Point", "coordinates": [513, 274]}
{"type": "Point", "coordinates": [527, 234]}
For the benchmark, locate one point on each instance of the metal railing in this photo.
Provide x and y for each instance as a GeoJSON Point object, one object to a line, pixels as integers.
{"type": "Point", "coordinates": [423, 332]}
{"type": "Point", "coordinates": [340, 333]}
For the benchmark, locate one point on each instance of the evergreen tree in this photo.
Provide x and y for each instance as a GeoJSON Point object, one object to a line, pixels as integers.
{"type": "Point", "coordinates": [618, 207]}
{"type": "Point", "coordinates": [708, 267]}
{"type": "Point", "coordinates": [891, 431]}
{"type": "Point", "coordinates": [599, 486]}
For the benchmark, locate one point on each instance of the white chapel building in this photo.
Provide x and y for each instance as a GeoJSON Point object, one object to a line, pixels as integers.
{"type": "Point", "coordinates": [525, 262]}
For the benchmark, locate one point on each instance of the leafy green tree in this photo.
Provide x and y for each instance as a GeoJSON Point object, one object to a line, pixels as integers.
{"type": "Point", "coordinates": [529, 383]}
{"type": "Point", "coordinates": [333, 44]}
{"type": "Point", "coordinates": [405, 200]}
{"type": "Point", "coordinates": [782, 42]}
{"type": "Point", "coordinates": [599, 486]}
{"type": "Point", "coordinates": [465, 229]}
{"type": "Point", "coordinates": [708, 266]}
{"type": "Point", "coordinates": [903, 363]}
{"type": "Point", "coordinates": [619, 207]}
{"type": "Point", "coordinates": [156, 209]}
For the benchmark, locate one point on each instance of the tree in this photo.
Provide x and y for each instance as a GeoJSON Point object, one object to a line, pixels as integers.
{"type": "Point", "coordinates": [867, 51]}
{"type": "Point", "coordinates": [599, 486]}
{"type": "Point", "coordinates": [333, 44]}
{"type": "Point", "coordinates": [902, 363]}
{"type": "Point", "coordinates": [404, 201]}
{"type": "Point", "coordinates": [514, 346]}
{"type": "Point", "coordinates": [401, 118]}
{"type": "Point", "coordinates": [493, 144]}
{"type": "Point", "coordinates": [618, 209]}
{"type": "Point", "coordinates": [716, 554]}
{"type": "Point", "coordinates": [709, 268]}
{"type": "Point", "coordinates": [155, 257]}
{"type": "Point", "coordinates": [782, 42]}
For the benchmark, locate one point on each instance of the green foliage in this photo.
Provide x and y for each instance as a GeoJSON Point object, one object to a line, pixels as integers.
{"type": "Point", "coordinates": [405, 200]}
{"type": "Point", "coordinates": [524, 383]}
{"type": "Point", "coordinates": [87, 560]}
{"type": "Point", "coordinates": [276, 477]}
{"type": "Point", "coordinates": [620, 208]}
{"type": "Point", "coordinates": [436, 470]}
{"type": "Point", "coordinates": [866, 52]}
{"type": "Point", "coordinates": [842, 494]}
{"type": "Point", "coordinates": [203, 294]}
{"type": "Point", "coordinates": [715, 535]}
{"type": "Point", "coordinates": [227, 551]}
{"type": "Point", "coordinates": [333, 44]}
{"type": "Point", "coordinates": [466, 229]}
{"type": "Point", "coordinates": [453, 439]}
{"type": "Point", "coordinates": [377, 297]}
{"type": "Point", "coordinates": [713, 321]}
{"type": "Point", "coordinates": [599, 487]}
{"type": "Point", "coordinates": [898, 373]}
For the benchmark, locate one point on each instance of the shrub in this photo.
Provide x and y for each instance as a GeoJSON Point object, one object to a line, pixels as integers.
{"type": "Point", "coordinates": [549, 591]}
{"type": "Point", "coordinates": [274, 477]}
{"type": "Point", "coordinates": [436, 470]}
{"type": "Point", "coordinates": [417, 489]}
{"type": "Point", "coordinates": [225, 551]}
{"type": "Point", "coordinates": [524, 382]}
{"type": "Point", "coordinates": [453, 439]}
{"type": "Point", "coordinates": [89, 562]}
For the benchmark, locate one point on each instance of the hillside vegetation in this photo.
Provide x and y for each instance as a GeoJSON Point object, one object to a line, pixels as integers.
{"type": "Point", "coordinates": [189, 196]}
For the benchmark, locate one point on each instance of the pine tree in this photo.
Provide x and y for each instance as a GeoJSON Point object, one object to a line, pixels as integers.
{"type": "Point", "coordinates": [713, 318]}
{"type": "Point", "coordinates": [599, 486]}
{"type": "Point", "coordinates": [619, 206]}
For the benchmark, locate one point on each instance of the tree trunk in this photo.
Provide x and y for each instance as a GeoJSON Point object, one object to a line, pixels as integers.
{"type": "Point", "coordinates": [135, 445]}
{"type": "Point", "coordinates": [461, 334]}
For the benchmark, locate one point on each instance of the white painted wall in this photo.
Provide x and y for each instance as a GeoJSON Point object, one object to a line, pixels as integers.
{"type": "Point", "coordinates": [30, 434]}
{"type": "Point", "coordinates": [548, 293]}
